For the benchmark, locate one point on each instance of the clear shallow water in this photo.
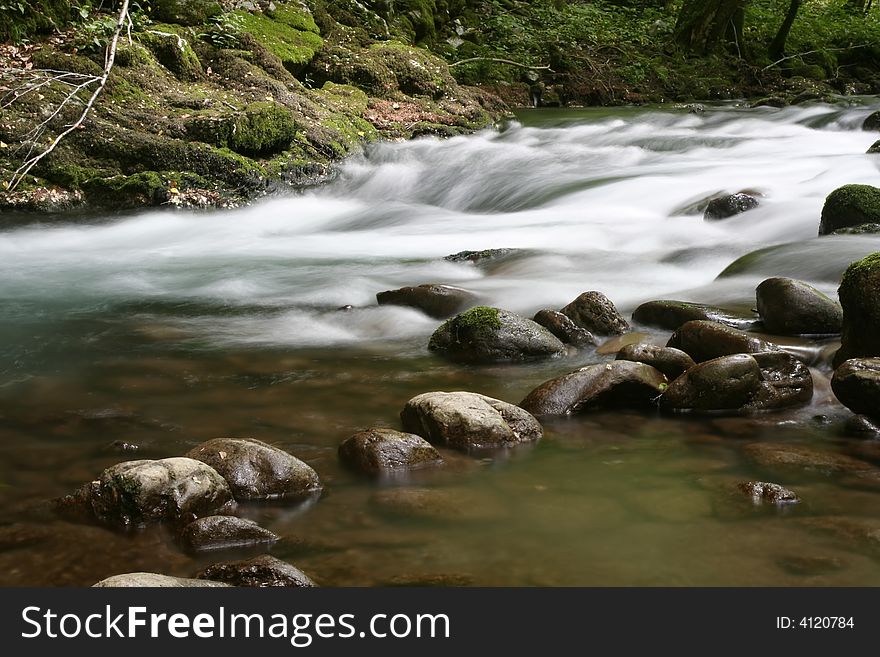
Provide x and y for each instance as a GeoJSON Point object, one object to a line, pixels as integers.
{"type": "Point", "coordinates": [165, 329]}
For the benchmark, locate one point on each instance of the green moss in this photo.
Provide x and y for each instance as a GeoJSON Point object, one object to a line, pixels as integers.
{"type": "Point", "coordinates": [418, 73]}
{"type": "Point", "coordinates": [481, 318]}
{"type": "Point", "coordinates": [294, 15]}
{"type": "Point", "coordinates": [294, 47]}
{"type": "Point", "coordinates": [147, 188]}
{"type": "Point", "coordinates": [850, 205]}
{"type": "Point", "coordinates": [864, 267]}
{"type": "Point", "coordinates": [185, 12]}
{"type": "Point", "coordinates": [172, 49]}
{"type": "Point", "coordinates": [49, 57]}
{"type": "Point", "coordinates": [134, 55]}
{"type": "Point", "coordinates": [262, 129]}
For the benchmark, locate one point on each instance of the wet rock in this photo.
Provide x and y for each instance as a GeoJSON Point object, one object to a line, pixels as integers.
{"type": "Point", "coordinates": [726, 383]}
{"type": "Point", "coordinates": [619, 384]}
{"type": "Point", "coordinates": [856, 384]}
{"type": "Point", "coordinates": [224, 532]}
{"type": "Point", "coordinates": [786, 457]}
{"type": "Point", "coordinates": [791, 307]}
{"type": "Point", "coordinates": [259, 572]}
{"type": "Point", "coordinates": [492, 335]}
{"type": "Point", "coordinates": [860, 297]}
{"type": "Point", "coordinates": [787, 381]}
{"type": "Point", "coordinates": [438, 301]}
{"type": "Point", "coordinates": [377, 452]}
{"type": "Point", "coordinates": [797, 564]}
{"type": "Point", "coordinates": [672, 314]}
{"type": "Point", "coordinates": [140, 493]}
{"type": "Point", "coordinates": [850, 205]}
{"type": "Point", "coordinates": [671, 362]}
{"type": "Point", "coordinates": [704, 340]}
{"type": "Point", "coordinates": [872, 122]}
{"type": "Point", "coordinates": [861, 229]}
{"type": "Point", "coordinates": [862, 426]}
{"type": "Point", "coordinates": [762, 492]}
{"type": "Point", "coordinates": [481, 257]}
{"type": "Point", "coordinates": [256, 470]}
{"type": "Point", "coordinates": [727, 206]}
{"type": "Point", "coordinates": [466, 421]}
{"type": "Point", "coordinates": [154, 580]}
{"type": "Point", "coordinates": [564, 328]}
{"type": "Point", "coordinates": [594, 312]}
{"type": "Point", "coordinates": [874, 148]}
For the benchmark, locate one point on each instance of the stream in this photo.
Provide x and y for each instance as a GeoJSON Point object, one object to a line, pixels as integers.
{"type": "Point", "coordinates": [163, 329]}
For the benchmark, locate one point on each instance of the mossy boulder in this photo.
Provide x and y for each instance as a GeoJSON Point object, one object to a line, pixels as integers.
{"type": "Point", "coordinates": [418, 73]}
{"type": "Point", "coordinates": [859, 294]}
{"type": "Point", "coordinates": [170, 45]}
{"type": "Point", "coordinates": [120, 192]}
{"type": "Point", "coordinates": [292, 37]}
{"type": "Point", "coordinates": [261, 129]}
{"type": "Point", "coordinates": [849, 206]}
{"type": "Point", "coordinates": [185, 12]}
{"type": "Point", "coordinates": [492, 335]}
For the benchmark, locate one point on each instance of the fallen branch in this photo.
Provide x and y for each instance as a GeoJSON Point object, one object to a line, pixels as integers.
{"type": "Point", "coordinates": [812, 52]}
{"type": "Point", "coordinates": [109, 59]}
{"type": "Point", "coordinates": [501, 61]}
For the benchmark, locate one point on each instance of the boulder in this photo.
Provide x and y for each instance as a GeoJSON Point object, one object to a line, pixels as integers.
{"type": "Point", "coordinates": [377, 452]}
{"type": "Point", "coordinates": [484, 256]}
{"type": "Point", "coordinates": [256, 470]}
{"type": "Point", "coordinates": [186, 12]}
{"type": "Point", "coordinates": [741, 382]}
{"type": "Point", "coordinates": [467, 421]}
{"type": "Point", "coordinates": [872, 122]}
{"type": "Point", "coordinates": [259, 572]}
{"type": "Point", "coordinates": [848, 206]}
{"type": "Point", "coordinates": [438, 301]}
{"type": "Point", "coordinates": [154, 580]}
{"type": "Point", "coordinates": [791, 307]}
{"type": "Point", "coordinates": [862, 426]}
{"type": "Point", "coordinates": [594, 312]}
{"type": "Point", "coordinates": [874, 148]}
{"type": "Point", "coordinates": [672, 314]}
{"type": "Point", "coordinates": [564, 328]}
{"type": "Point", "coordinates": [492, 335]}
{"type": "Point", "coordinates": [619, 384]}
{"type": "Point", "coordinates": [223, 533]}
{"type": "Point", "coordinates": [140, 493]}
{"type": "Point", "coordinates": [729, 205]}
{"type": "Point", "coordinates": [726, 383]}
{"type": "Point", "coordinates": [704, 340]}
{"type": "Point", "coordinates": [856, 384]}
{"type": "Point", "coordinates": [859, 294]}
{"type": "Point", "coordinates": [762, 492]}
{"type": "Point", "coordinates": [671, 362]}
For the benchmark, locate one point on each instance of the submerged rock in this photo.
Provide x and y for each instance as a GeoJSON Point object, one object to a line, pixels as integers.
{"type": "Point", "coordinates": [466, 421]}
{"type": "Point", "coordinates": [782, 457]}
{"type": "Point", "coordinates": [438, 301]}
{"type": "Point", "coordinates": [564, 328]}
{"type": "Point", "coordinates": [594, 312]}
{"type": "Point", "coordinates": [704, 340]}
{"type": "Point", "coordinates": [619, 384]}
{"type": "Point", "coordinates": [761, 492]}
{"type": "Point", "coordinates": [791, 307]}
{"type": "Point", "coordinates": [377, 452]}
{"type": "Point", "coordinates": [256, 470]}
{"type": "Point", "coordinates": [262, 571]}
{"type": "Point", "coordinates": [139, 493]}
{"type": "Point", "coordinates": [224, 532]}
{"type": "Point", "coordinates": [154, 580]}
{"type": "Point", "coordinates": [727, 206]}
{"type": "Point", "coordinates": [671, 362]}
{"type": "Point", "coordinates": [848, 206]}
{"type": "Point", "coordinates": [672, 314]}
{"type": "Point", "coordinates": [856, 384]}
{"type": "Point", "coordinates": [860, 297]}
{"type": "Point", "coordinates": [492, 335]}
{"type": "Point", "coordinates": [797, 564]}
{"type": "Point", "coordinates": [435, 504]}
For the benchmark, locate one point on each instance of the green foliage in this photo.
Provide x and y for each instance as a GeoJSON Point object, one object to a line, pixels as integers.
{"type": "Point", "coordinates": [22, 19]}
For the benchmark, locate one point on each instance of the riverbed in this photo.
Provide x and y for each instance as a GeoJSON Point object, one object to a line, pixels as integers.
{"type": "Point", "coordinates": [162, 329]}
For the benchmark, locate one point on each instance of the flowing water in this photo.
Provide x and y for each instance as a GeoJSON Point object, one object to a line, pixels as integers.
{"type": "Point", "coordinates": [164, 329]}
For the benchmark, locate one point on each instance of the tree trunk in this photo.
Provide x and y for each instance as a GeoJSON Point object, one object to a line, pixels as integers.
{"type": "Point", "coordinates": [777, 46]}
{"type": "Point", "coordinates": [702, 24]}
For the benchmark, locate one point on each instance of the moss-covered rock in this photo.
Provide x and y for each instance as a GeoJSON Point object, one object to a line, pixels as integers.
{"type": "Point", "coordinates": [848, 206]}
{"type": "Point", "coordinates": [185, 12]}
{"type": "Point", "coordinates": [860, 297]}
{"type": "Point", "coordinates": [294, 46]}
{"type": "Point", "coordinates": [261, 129]}
{"type": "Point", "coordinates": [170, 45]}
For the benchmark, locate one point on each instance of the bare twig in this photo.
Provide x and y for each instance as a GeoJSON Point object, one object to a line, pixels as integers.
{"type": "Point", "coordinates": [501, 61]}
{"type": "Point", "coordinates": [812, 52]}
{"type": "Point", "coordinates": [109, 59]}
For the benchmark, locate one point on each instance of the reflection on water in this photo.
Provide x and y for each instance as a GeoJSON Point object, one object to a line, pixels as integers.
{"type": "Point", "coordinates": [162, 330]}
